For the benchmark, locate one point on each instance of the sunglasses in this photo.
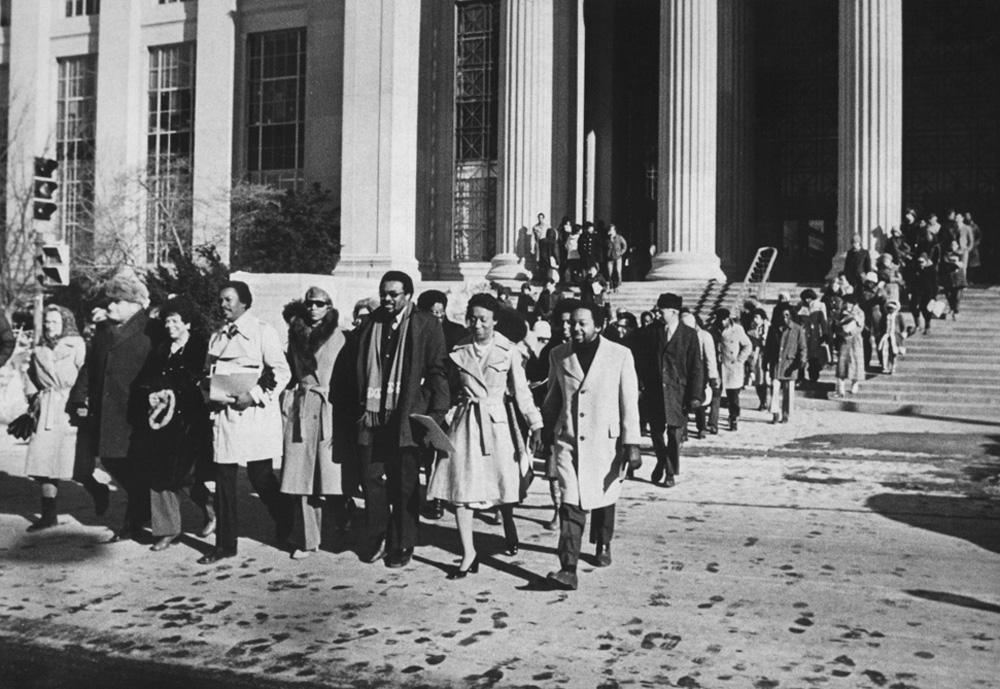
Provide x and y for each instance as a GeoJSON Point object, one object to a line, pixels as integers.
{"type": "Point", "coordinates": [315, 303]}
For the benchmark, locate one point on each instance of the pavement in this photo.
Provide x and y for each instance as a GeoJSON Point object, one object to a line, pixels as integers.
{"type": "Point", "coordinates": [838, 550]}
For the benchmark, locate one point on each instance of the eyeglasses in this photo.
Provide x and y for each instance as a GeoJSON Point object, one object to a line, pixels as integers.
{"type": "Point", "coordinates": [315, 303]}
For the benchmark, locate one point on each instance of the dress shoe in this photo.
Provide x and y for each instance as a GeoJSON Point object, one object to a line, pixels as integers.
{"type": "Point", "coordinates": [657, 474]}
{"type": "Point", "coordinates": [491, 517]}
{"type": "Point", "coordinates": [698, 435]}
{"type": "Point", "coordinates": [299, 554]}
{"type": "Point", "coordinates": [102, 499]}
{"type": "Point", "coordinates": [162, 543]}
{"type": "Point", "coordinates": [399, 558]}
{"type": "Point", "coordinates": [714, 430]}
{"type": "Point", "coordinates": [734, 424]}
{"type": "Point", "coordinates": [46, 522]}
{"type": "Point", "coordinates": [513, 547]}
{"type": "Point", "coordinates": [603, 555]}
{"type": "Point", "coordinates": [459, 573]}
{"type": "Point", "coordinates": [126, 533]}
{"type": "Point", "coordinates": [378, 554]}
{"type": "Point", "coordinates": [784, 419]}
{"type": "Point", "coordinates": [668, 482]}
{"type": "Point", "coordinates": [776, 419]}
{"type": "Point", "coordinates": [214, 555]}
{"type": "Point", "coordinates": [208, 529]}
{"type": "Point", "coordinates": [564, 580]}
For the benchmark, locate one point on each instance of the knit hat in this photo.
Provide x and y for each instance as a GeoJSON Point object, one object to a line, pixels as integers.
{"type": "Point", "coordinates": [125, 286]}
{"type": "Point", "coordinates": [668, 300]}
{"type": "Point", "coordinates": [871, 277]}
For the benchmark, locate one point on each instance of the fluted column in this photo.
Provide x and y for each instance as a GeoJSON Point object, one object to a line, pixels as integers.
{"type": "Point", "coordinates": [686, 185]}
{"type": "Point", "coordinates": [871, 116]}
{"type": "Point", "coordinates": [379, 137]}
{"type": "Point", "coordinates": [525, 169]}
{"type": "Point", "coordinates": [734, 176]}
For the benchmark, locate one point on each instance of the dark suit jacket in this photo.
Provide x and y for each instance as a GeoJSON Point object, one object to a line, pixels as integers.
{"type": "Point", "coordinates": [671, 374]}
{"type": "Point", "coordinates": [106, 382]}
{"type": "Point", "coordinates": [425, 382]}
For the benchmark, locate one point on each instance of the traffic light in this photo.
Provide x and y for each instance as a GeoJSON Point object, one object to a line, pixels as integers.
{"type": "Point", "coordinates": [53, 264]}
{"type": "Point", "coordinates": [45, 188]}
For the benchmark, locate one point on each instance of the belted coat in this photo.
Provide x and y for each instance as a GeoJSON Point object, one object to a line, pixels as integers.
{"type": "Point", "coordinates": [51, 374]}
{"type": "Point", "coordinates": [490, 453]}
{"type": "Point", "coordinates": [592, 416]}
{"type": "Point", "coordinates": [318, 410]}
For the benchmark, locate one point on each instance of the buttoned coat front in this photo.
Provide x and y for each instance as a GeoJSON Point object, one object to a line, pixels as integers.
{"type": "Point", "coordinates": [488, 446]}
{"type": "Point", "coordinates": [671, 372]}
{"type": "Point", "coordinates": [254, 433]}
{"type": "Point", "coordinates": [734, 350]}
{"type": "Point", "coordinates": [592, 416]}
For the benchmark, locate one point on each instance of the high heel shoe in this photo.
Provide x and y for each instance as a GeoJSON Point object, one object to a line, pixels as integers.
{"type": "Point", "coordinates": [459, 573]}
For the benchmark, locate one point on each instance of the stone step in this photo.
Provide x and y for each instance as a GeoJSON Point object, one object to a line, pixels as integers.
{"type": "Point", "coordinates": [970, 411]}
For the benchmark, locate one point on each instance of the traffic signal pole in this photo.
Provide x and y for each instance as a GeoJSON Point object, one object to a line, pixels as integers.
{"type": "Point", "coordinates": [52, 258]}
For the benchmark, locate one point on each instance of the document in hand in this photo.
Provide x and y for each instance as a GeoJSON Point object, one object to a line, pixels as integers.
{"type": "Point", "coordinates": [230, 380]}
{"type": "Point", "coordinates": [434, 437]}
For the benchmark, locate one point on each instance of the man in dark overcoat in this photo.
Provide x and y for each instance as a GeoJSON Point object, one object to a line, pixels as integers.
{"type": "Point", "coordinates": [104, 397]}
{"type": "Point", "coordinates": [401, 371]}
{"type": "Point", "coordinates": [671, 378]}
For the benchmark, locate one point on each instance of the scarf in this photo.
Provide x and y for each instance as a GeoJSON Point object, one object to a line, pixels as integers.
{"type": "Point", "coordinates": [306, 340]}
{"type": "Point", "coordinates": [378, 410]}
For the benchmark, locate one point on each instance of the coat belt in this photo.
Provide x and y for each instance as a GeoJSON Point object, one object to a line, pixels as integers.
{"type": "Point", "coordinates": [299, 394]}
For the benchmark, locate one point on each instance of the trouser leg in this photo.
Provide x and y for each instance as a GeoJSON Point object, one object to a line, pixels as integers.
{"type": "Point", "coordinates": [775, 408]}
{"type": "Point", "coordinates": [713, 416]}
{"type": "Point", "coordinates": [509, 527]}
{"type": "Point", "coordinates": [602, 525]}
{"type": "Point", "coordinates": [657, 431]}
{"type": "Point", "coordinates": [733, 397]}
{"type": "Point", "coordinates": [701, 418]}
{"type": "Point", "coordinates": [280, 506]}
{"type": "Point", "coordinates": [788, 398]}
{"type": "Point", "coordinates": [373, 485]}
{"type": "Point", "coordinates": [165, 506]}
{"type": "Point", "coordinates": [762, 394]}
{"type": "Point", "coordinates": [402, 479]}
{"type": "Point", "coordinates": [225, 506]}
{"type": "Point", "coordinates": [308, 521]}
{"type": "Point", "coordinates": [572, 519]}
{"type": "Point", "coordinates": [125, 472]}
{"type": "Point", "coordinates": [673, 448]}
{"type": "Point", "coordinates": [203, 498]}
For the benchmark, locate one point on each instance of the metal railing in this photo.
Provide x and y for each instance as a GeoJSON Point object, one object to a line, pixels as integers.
{"type": "Point", "coordinates": [758, 274]}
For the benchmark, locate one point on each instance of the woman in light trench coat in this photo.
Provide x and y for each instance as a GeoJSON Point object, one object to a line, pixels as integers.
{"type": "Point", "coordinates": [55, 363]}
{"type": "Point", "coordinates": [490, 455]}
{"type": "Point", "coordinates": [317, 444]}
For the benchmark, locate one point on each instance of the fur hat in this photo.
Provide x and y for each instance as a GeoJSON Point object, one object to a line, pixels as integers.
{"type": "Point", "coordinates": [668, 300]}
{"type": "Point", "coordinates": [125, 286]}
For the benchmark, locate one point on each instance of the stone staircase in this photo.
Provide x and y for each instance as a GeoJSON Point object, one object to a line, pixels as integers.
{"type": "Point", "coordinates": [700, 296]}
{"type": "Point", "coordinates": [953, 372]}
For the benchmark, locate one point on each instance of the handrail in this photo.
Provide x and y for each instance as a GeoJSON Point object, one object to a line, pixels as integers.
{"type": "Point", "coordinates": [757, 275]}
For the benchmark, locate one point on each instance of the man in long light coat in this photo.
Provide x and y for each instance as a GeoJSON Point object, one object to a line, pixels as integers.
{"type": "Point", "coordinates": [248, 427]}
{"type": "Point", "coordinates": [594, 439]}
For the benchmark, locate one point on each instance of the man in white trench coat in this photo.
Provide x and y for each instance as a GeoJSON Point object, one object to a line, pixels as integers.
{"type": "Point", "coordinates": [591, 415]}
{"type": "Point", "coordinates": [248, 426]}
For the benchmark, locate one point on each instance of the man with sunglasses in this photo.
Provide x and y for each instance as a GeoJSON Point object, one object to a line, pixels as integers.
{"type": "Point", "coordinates": [400, 372]}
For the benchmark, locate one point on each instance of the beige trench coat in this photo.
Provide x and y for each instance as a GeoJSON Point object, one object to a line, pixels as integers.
{"type": "Point", "coordinates": [591, 417]}
{"type": "Point", "coordinates": [254, 433]}
{"type": "Point", "coordinates": [51, 374]}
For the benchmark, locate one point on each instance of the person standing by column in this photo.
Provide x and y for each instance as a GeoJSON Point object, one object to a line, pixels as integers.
{"type": "Point", "coordinates": [672, 379]}
{"type": "Point", "coordinates": [615, 248]}
{"type": "Point", "coordinates": [103, 393]}
{"type": "Point", "coordinates": [591, 417]}
{"type": "Point", "coordinates": [318, 414]}
{"type": "Point", "coordinates": [734, 351]}
{"type": "Point", "coordinates": [400, 372]}
{"type": "Point", "coordinates": [248, 426]}
{"type": "Point", "coordinates": [784, 355]}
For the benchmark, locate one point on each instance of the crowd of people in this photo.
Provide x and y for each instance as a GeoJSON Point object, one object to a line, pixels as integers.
{"type": "Point", "coordinates": [551, 379]}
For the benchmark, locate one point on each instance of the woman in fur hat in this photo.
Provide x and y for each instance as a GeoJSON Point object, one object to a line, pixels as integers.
{"type": "Point", "coordinates": [318, 426]}
{"type": "Point", "coordinates": [55, 363]}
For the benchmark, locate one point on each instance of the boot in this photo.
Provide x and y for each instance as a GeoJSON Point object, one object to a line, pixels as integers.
{"type": "Point", "coordinates": [48, 516]}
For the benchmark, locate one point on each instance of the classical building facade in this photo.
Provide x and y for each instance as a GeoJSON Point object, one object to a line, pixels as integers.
{"type": "Point", "coordinates": [702, 128]}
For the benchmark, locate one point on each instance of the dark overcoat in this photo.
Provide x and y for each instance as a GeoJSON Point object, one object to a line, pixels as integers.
{"type": "Point", "coordinates": [671, 373]}
{"type": "Point", "coordinates": [424, 388]}
{"type": "Point", "coordinates": [106, 382]}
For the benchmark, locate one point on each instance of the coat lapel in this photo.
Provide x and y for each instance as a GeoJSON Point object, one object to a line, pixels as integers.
{"type": "Point", "coordinates": [600, 359]}
{"type": "Point", "coordinates": [133, 326]}
{"type": "Point", "coordinates": [571, 365]}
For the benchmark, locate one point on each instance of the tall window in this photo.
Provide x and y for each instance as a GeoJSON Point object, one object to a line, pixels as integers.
{"type": "Point", "coordinates": [276, 95]}
{"type": "Point", "coordinates": [78, 8]}
{"type": "Point", "coordinates": [169, 145]}
{"type": "Point", "coordinates": [75, 118]}
{"type": "Point", "coordinates": [477, 90]}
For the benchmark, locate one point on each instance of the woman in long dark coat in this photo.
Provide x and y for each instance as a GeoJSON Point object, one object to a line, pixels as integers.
{"type": "Point", "coordinates": [176, 446]}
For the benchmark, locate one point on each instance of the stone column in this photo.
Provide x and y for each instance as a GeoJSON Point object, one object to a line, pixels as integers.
{"type": "Point", "coordinates": [734, 205]}
{"type": "Point", "coordinates": [378, 173]}
{"type": "Point", "coordinates": [686, 184]}
{"type": "Point", "coordinates": [213, 122]}
{"type": "Point", "coordinates": [525, 168]}
{"type": "Point", "coordinates": [871, 115]}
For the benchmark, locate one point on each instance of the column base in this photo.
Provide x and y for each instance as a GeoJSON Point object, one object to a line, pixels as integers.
{"type": "Point", "coordinates": [507, 267]}
{"type": "Point", "coordinates": [463, 271]}
{"type": "Point", "coordinates": [372, 266]}
{"type": "Point", "coordinates": [685, 265]}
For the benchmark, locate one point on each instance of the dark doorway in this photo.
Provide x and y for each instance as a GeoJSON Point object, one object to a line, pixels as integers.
{"type": "Point", "coordinates": [796, 142]}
